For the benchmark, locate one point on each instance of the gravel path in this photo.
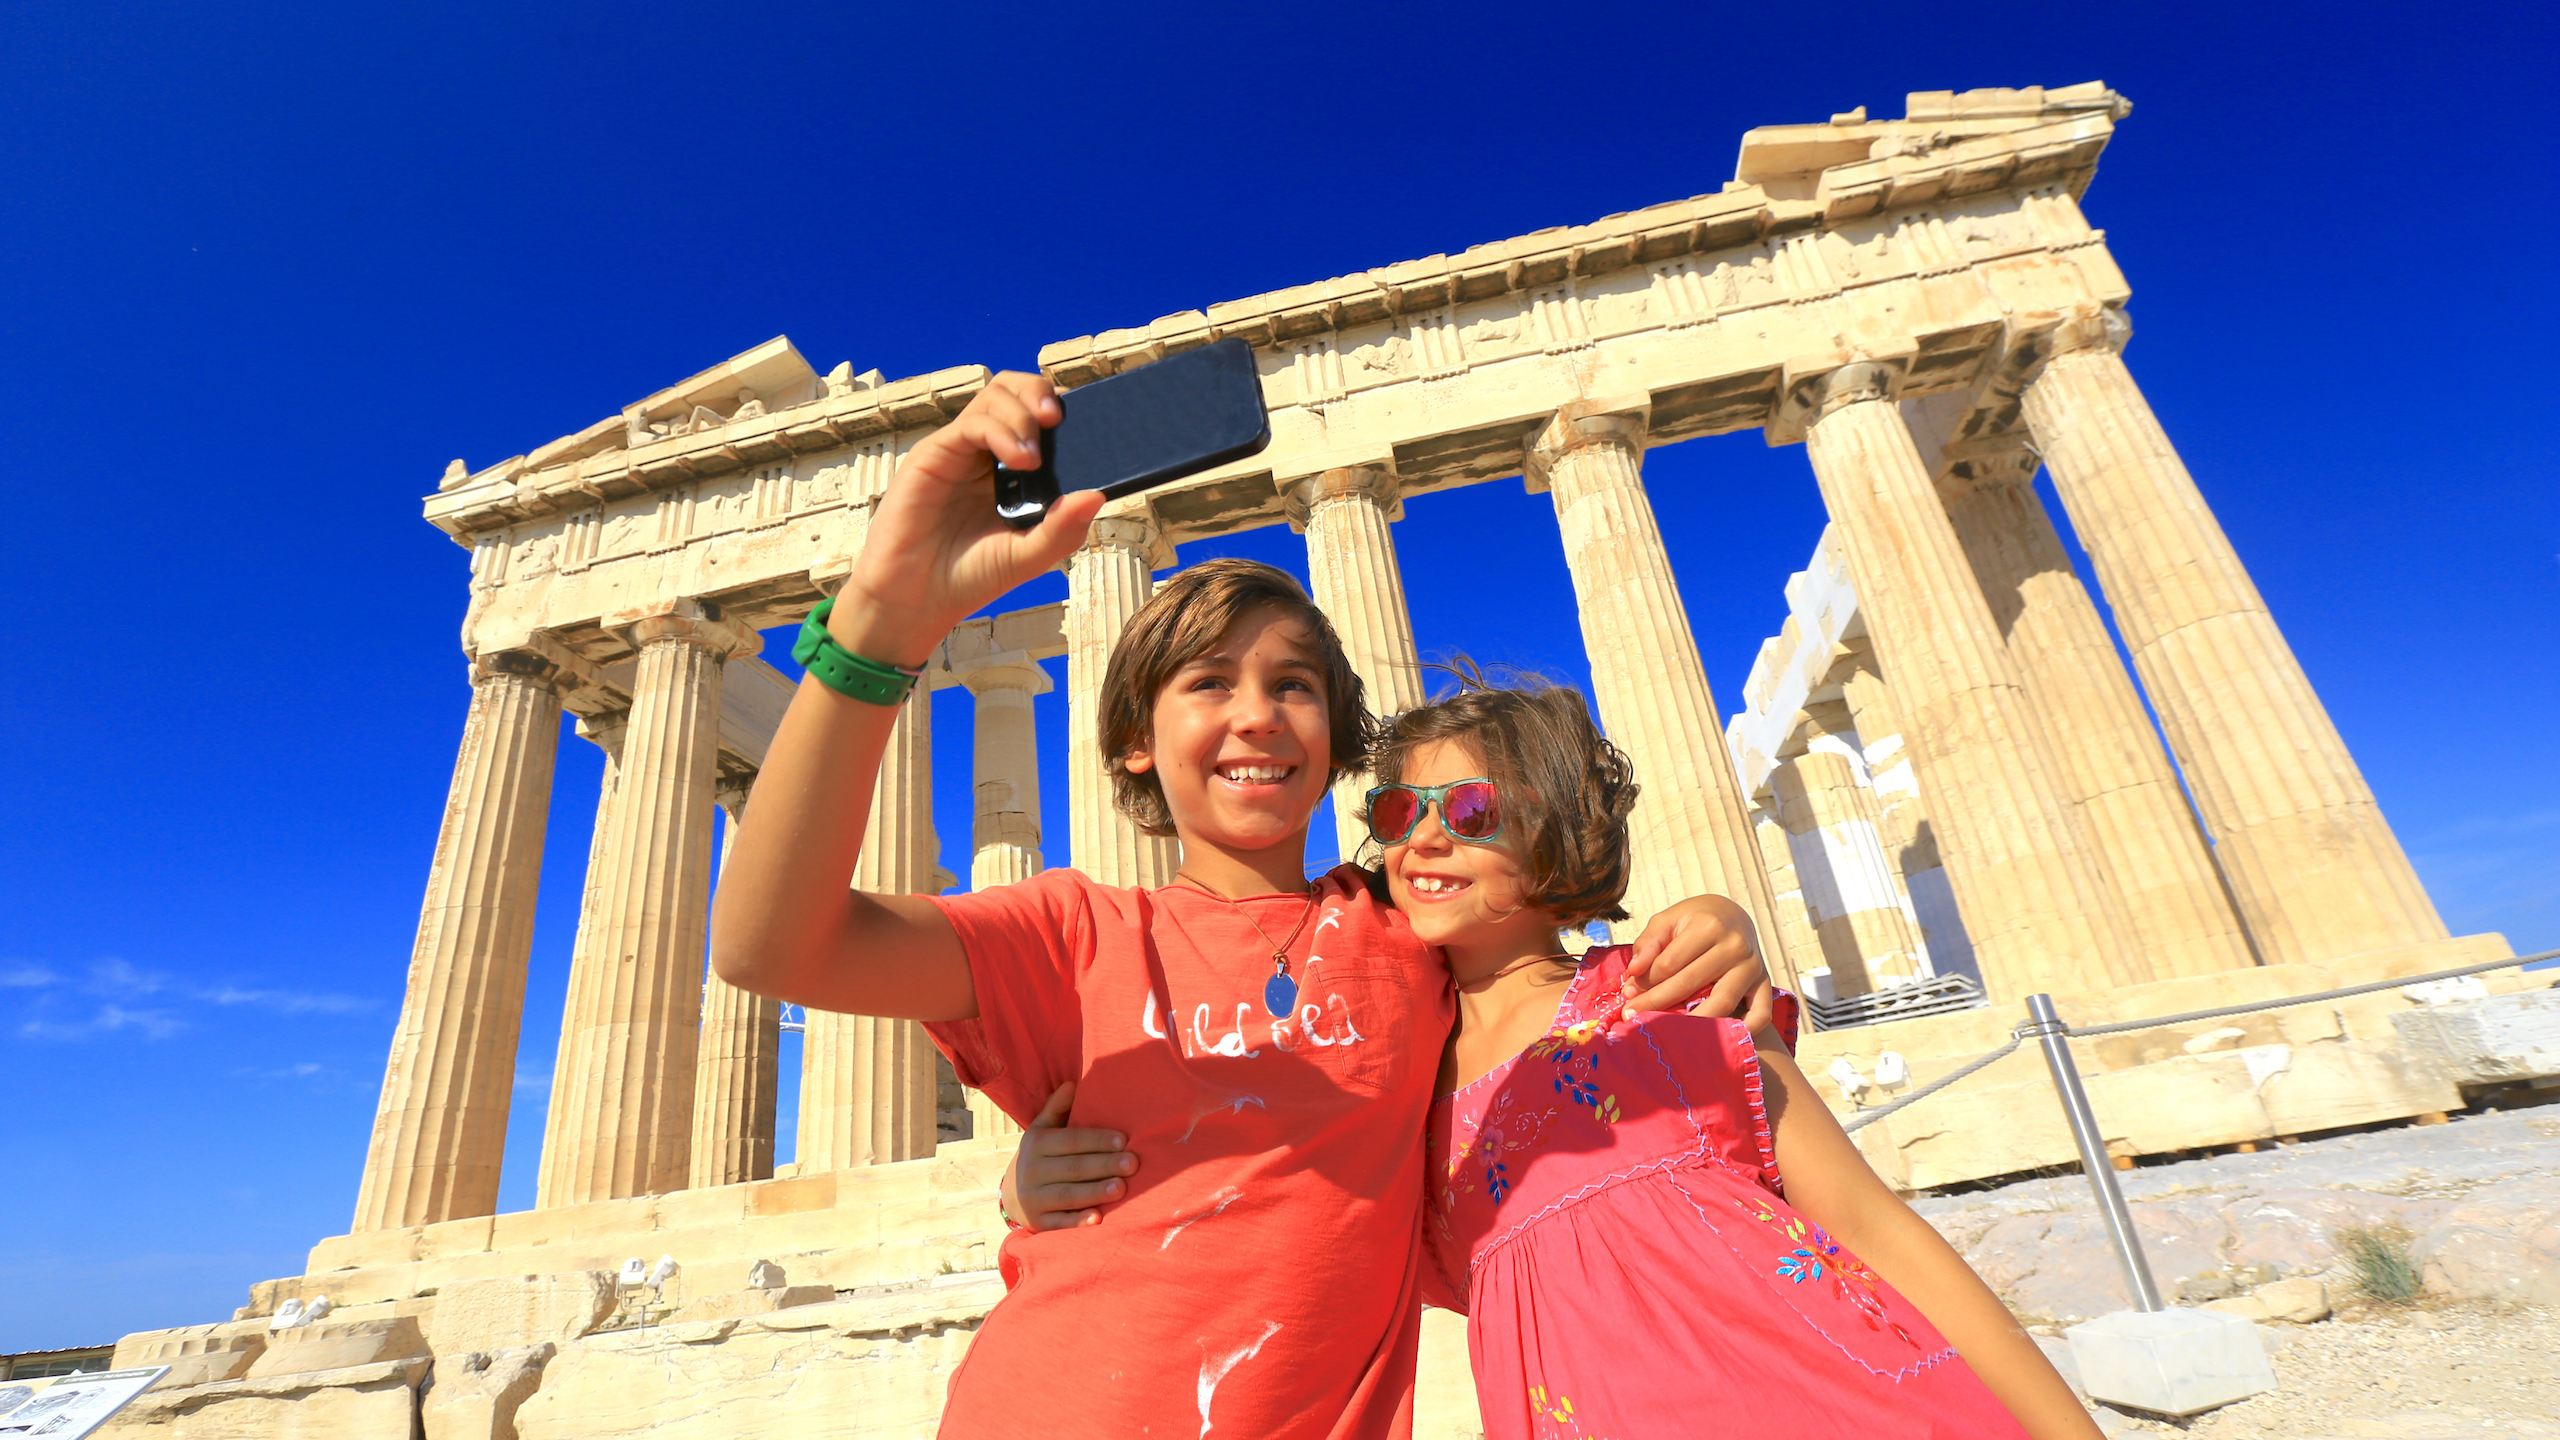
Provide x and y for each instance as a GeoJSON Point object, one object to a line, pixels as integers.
{"type": "Point", "coordinates": [2478, 1355]}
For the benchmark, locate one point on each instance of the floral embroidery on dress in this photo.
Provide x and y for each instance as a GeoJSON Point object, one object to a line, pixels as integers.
{"type": "Point", "coordinates": [1816, 1254]}
{"type": "Point", "coordinates": [1555, 1412]}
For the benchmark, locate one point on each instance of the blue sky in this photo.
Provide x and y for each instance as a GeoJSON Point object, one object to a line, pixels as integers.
{"type": "Point", "coordinates": [268, 269]}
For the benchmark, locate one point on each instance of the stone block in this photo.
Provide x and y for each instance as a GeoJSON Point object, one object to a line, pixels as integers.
{"type": "Point", "coordinates": [874, 1367]}
{"type": "Point", "coordinates": [364, 1250]}
{"type": "Point", "coordinates": [456, 1237]}
{"type": "Point", "coordinates": [2297, 1302]}
{"type": "Point", "coordinates": [476, 1395]}
{"type": "Point", "coordinates": [2324, 1087]}
{"type": "Point", "coordinates": [500, 1312]}
{"type": "Point", "coordinates": [765, 1275]}
{"type": "Point", "coordinates": [337, 1345]}
{"type": "Point", "coordinates": [363, 1402]}
{"type": "Point", "coordinates": [2488, 1042]}
{"type": "Point", "coordinates": [2170, 1362]}
{"type": "Point", "coordinates": [737, 1304]}
{"type": "Point", "coordinates": [525, 1229]}
{"type": "Point", "coordinates": [613, 1219]}
{"type": "Point", "coordinates": [195, 1354]}
{"type": "Point", "coordinates": [793, 1197]}
{"type": "Point", "coordinates": [703, 1209]}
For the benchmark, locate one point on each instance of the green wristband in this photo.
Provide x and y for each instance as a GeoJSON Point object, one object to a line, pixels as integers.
{"type": "Point", "coordinates": [844, 672]}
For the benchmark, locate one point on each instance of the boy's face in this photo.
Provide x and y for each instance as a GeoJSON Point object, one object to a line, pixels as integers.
{"type": "Point", "coordinates": [1239, 740]}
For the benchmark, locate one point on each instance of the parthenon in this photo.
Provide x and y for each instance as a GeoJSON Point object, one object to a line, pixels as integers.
{"type": "Point", "coordinates": [1941, 765]}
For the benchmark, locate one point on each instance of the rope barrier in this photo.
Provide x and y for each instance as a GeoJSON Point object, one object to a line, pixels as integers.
{"type": "Point", "coordinates": [1865, 1118]}
{"type": "Point", "coordinates": [2339, 994]}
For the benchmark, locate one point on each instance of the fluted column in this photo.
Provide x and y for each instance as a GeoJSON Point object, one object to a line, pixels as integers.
{"type": "Point", "coordinates": [737, 1078]}
{"type": "Point", "coordinates": [1902, 821]}
{"type": "Point", "coordinates": [2112, 767]}
{"type": "Point", "coordinates": [1689, 832]}
{"type": "Point", "coordinates": [1351, 560]}
{"type": "Point", "coordinates": [1786, 893]}
{"type": "Point", "coordinates": [1862, 919]}
{"type": "Point", "coordinates": [1005, 829]}
{"type": "Point", "coordinates": [622, 1087]}
{"type": "Point", "coordinates": [2313, 864]}
{"type": "Point", "coordinates": [2039, 915]}
{"type": "Point", "coordinates": [1107, 581]}
{"type": "Point", "coordinates": [867, 1093]}
{"type": "Point", "coordinates": [441, 1128]}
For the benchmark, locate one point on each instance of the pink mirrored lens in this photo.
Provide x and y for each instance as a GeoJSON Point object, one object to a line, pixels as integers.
{"type": "Point", "coordinates": [1391, 815]}
{"type": "Point", "coordinates": [1472, 811]}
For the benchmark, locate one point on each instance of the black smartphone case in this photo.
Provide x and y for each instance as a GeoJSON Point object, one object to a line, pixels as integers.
{"type": "Point", "coordinates": [1144, 427]}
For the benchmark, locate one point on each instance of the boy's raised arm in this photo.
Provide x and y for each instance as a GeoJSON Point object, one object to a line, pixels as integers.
{"type": "Point", "coordinates": [786, 922]}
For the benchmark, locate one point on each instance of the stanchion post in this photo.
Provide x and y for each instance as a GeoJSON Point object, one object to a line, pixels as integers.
{"type": "Point", "coordinates": [2050, 1032]}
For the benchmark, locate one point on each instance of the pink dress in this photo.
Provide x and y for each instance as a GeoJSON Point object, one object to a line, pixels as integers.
{"type": "Point", "coordinates": [1606, 1207]}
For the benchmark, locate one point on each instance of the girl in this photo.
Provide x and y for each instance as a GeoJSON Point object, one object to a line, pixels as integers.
{"type": "Point", "coordinates": [1651, 1220]}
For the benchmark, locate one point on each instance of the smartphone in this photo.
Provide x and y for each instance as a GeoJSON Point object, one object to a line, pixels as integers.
{"type": "Point", "coordinates": [1142, 428]}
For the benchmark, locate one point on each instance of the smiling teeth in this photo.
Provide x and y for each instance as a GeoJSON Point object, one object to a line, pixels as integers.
{"type": "Point", "coordinates": [1254, 773]}
{"type": "Point", "coordinates": [1433, 884]}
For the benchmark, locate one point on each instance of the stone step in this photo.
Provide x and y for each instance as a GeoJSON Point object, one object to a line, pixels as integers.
{"type": "Point", "coordinates": [873, 1225]}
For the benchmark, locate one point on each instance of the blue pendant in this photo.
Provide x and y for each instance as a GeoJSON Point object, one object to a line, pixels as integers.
{"type": "Point", "coordinates": [1280, 995]}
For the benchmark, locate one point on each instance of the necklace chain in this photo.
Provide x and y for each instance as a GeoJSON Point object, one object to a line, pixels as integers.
{"type": "Point", "coordinates": [1280, 950]}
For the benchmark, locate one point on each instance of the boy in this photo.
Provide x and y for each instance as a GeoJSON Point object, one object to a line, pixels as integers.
{"type": "Point", "coordinates": [1277, 1037]}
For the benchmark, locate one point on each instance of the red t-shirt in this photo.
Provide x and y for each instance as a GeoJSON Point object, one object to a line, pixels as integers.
{"type": "Point", "coordinates": [1259, 1278]}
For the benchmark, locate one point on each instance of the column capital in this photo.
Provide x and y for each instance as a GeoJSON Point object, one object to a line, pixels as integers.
{"type": "Point", "coordinates": [1004, 670]}
{"type": "Point", "coordinates": [1813, 387]}
{"type": "Point", "coordinates": [1989, 462]}
{"type": "Point", "coordinates": [2083, 327]}
{"type": "Point", "coordinates": [1131, 525]}
{"type": "Point", "coordinates": [604, 730]}
{"type": "Point", "coordinates": [1377, 484]}
{"type": "Point", "coordinates": [698, 623]}
{"type": "Point", "coordinates": [1577, 426]}
{"type": "Point", "coordinates": [731, 793]}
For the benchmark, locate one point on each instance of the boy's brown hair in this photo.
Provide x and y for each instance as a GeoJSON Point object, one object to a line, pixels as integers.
{"type": "Point", "coordinates": [1565, 791]}
{"type": "Point", "coordinates": [1184, 622]}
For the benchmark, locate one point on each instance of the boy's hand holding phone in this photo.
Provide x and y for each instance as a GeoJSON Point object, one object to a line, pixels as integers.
{"type": "Point", "coordinates": [937, 552]}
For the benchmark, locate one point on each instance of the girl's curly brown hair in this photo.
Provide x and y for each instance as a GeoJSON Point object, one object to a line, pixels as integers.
{"type": "Point", "coordinates": [1566, 791]}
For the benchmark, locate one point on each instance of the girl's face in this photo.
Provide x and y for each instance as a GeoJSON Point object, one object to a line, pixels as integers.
{"type": "Point", "coordinates": [1240, 740]}
{"type": "Point", "coordinates": [1460, 896]}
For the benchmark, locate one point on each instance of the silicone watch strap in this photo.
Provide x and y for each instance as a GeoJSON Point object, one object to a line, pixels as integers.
{"type": "Point", "coordinates": [844, 672]}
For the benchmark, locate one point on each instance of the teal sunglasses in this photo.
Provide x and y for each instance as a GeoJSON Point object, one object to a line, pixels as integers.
{"type": "Point", "coordinates": [1470, 810]}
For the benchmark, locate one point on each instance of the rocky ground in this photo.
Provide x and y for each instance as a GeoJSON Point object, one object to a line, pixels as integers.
{"type": "Point", "coordinates": [2478, 1354]}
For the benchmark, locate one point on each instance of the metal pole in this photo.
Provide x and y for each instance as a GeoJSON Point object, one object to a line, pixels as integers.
{"type": "Point", "coordinates": [2050, 1032]}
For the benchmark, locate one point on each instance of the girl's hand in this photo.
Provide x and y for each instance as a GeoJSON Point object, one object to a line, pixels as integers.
{"type": "Point", "coordinates": [1059, 1175]}
{"type": "Point", "coordinates": [936, 551]}
{"type": "Point", "coordinates": [1703, 946]}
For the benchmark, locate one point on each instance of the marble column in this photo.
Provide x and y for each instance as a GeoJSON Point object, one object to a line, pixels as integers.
{"type": "Point", "coordinates": [622, 1087]}
{"type": "Point", "coordinates": [1861, 918]}
{"type": "Point", "coordinates": [1107, 581]}
{"type": "Point", "coordinates": [1902, 821]}
{"type": "Point", "coordinates": [1786, 892]}
{"type": "Point", "coordinates": [2112, 767]}
{"type": "Point", "coordinates": [1005, 830]}
{"type": "Point", "coordinates": [2040, 915]}
{"type": "Point", "coordinates": [737, 1077]}
{"type": "Point", "coordinates": [1351, 560]}
{"type": "Point", "coordinates": [441, 1128]}
{"type": "Point", "coordinates": [2314, 866]}
{"type": "Point", "coordinates": [867, 1094]}
{"type": "Point", "coordinates": [1689, 831]}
